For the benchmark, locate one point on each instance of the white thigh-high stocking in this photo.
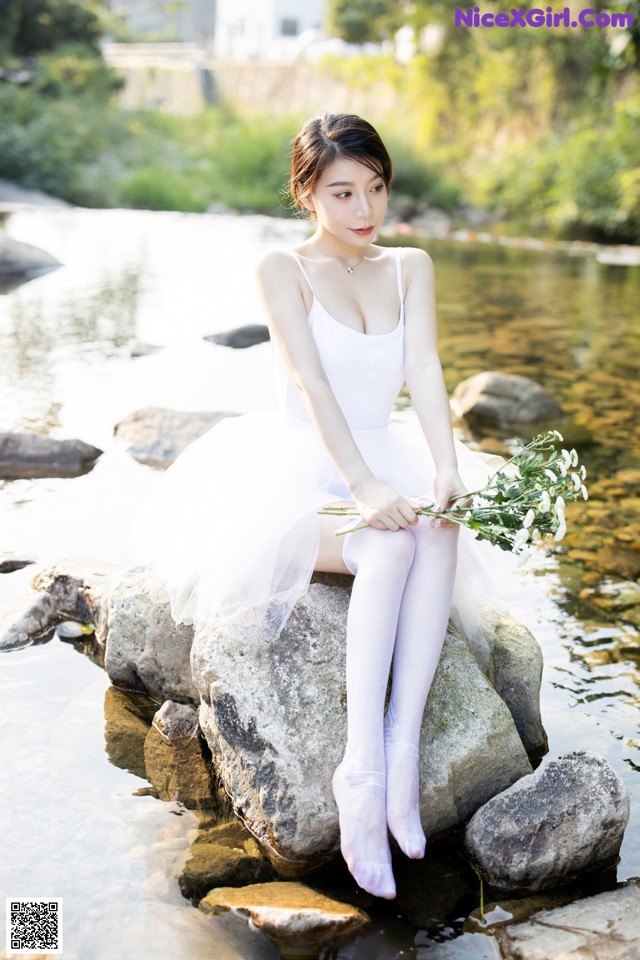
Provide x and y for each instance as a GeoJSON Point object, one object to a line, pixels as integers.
{"type": "Point", "coordinates": [381, 561]}
{"type": "Point", "coordinates": [422, 624]}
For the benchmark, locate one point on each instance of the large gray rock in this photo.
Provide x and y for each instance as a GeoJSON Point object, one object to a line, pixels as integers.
{"type": "Point", "coordinates": [504, 399]}
{"type": "Point", "coordinates": [274, 714]}
{"type": "Point", "coordinates": [156, 436]}
{"type": "Point", "coordinates": [21, 258]}
{"type": "Point", "coordinates": [28, 455]}
{"type": "Point", "coordinates": [515, 670]}
{"type": "Point", "coordinates": [146, 651]}
{"type": "Point", "coordinates": [565, 820]}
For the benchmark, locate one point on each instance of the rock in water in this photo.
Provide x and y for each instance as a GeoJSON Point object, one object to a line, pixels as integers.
{"type": "Point", "coordinates": [80, 589]}
{"type": "Point", "coordinates": [28, 622]}
{"type": "Point", "coordinates": [515, 670]}
{"type": "Point", "coordinates": [146, 651]}
{"type": "Point", "coordinates": [274, 714]}
{"type": "Point", "coordinates": [156, 436]}
{"type": "Point", "coordinates": [241, 337]}
{"type": "Point", "coordinates": [223, 855]}
{"type": "Point", "coordinates": [603, 927]}
{"type": "Point", "coordinates": [565, 820]}
{"type": "Point", "coordinates": [299, 920]}
{"type": "Point", "coordinates": [17, 257]}
{"type": "Point", "coordinates": [28, 455]}
{"type": "Point", "coordinates": [504, 399]}
{"type": "Point", "coordinates": [174, 759]}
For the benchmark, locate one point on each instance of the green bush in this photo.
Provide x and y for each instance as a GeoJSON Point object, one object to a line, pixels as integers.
{"type": "Point", "coordinates": [73, 70]}
{"type": "Point", "coordinates": [156, 188]}
{"type": "Point", "coordinates": [582, 183]}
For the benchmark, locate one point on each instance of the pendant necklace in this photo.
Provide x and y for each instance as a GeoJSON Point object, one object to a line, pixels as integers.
{"type": "Point", "coordinates": [349, 267]}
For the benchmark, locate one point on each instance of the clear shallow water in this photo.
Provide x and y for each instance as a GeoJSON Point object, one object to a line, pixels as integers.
{"type": "Point", "coordinates": [78, 830]}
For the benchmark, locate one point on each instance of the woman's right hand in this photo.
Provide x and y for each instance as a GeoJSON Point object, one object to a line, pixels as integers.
{"type": "Point", "coordinates": [382, 507]}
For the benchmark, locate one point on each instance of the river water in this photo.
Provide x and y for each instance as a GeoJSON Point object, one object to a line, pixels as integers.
{"type": "Point", "coordinates": [72, 823]}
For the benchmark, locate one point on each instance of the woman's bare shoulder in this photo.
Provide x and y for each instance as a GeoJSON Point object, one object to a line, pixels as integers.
{"type": "Point", "coordinates": [278, 260]}
{"type": "Point", "coordinates": [415, 257]}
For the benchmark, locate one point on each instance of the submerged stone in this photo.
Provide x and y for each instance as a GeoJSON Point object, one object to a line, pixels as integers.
{"type": "Point", "coordinates": [299, 920]}
{"type": "Point", "coordinates": [223, 855]}
{"type": "Point", "coordinates": [504, 399]}
{"type": "Point", "coordinates": [602, 927]}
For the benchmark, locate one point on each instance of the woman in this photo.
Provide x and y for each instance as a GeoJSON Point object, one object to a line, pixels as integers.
{"type": "Point", "coordinates": [350, 321]}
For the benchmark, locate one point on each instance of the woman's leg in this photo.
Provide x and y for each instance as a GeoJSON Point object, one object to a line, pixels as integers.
{"type": "Point", "coordinates": [380, 561]}
{"type": "Point", "coordinates": [422, 624]}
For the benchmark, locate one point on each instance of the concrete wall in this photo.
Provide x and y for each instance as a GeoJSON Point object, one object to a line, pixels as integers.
{"type": "Point", "coordinates": [181, 81]}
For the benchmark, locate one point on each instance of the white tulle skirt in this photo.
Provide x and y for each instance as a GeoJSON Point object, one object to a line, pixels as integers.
{"type": "Point", "coordinates": [233, 524]}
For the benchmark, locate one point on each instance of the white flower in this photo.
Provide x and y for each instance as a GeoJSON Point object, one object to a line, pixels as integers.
{"type": "Point", "coordinates": [557, 434]}
{"type": "Point", "coordinates": [584, 493]}
{"type": "Point", "coordinates": [551, 475]}
{"type": "Point", "coordinates": [566, 456]}
{"type": "Point", "coordinates": [523, 556]}
{"type": "Point", "coordinates": [574, 457]}
{"type": "Point", "coordinates": [535, 534]}
{"type": "Point", "coordinates": [545, 502]}
{"type": "Point", "coordinates": [561, 467]}
{"type": "Point", "coordinates": [577, 482]}
{"type": "Point", "coordinates": [583, 471]}
{"type": "Point", "coordinates": [560, 532]}
{"type": "Point", "coordinates": [520, 539]}
{"type": "Point", "coordinates": [528, 520]}
{"type": "Point", "coordinates": [559, 506]}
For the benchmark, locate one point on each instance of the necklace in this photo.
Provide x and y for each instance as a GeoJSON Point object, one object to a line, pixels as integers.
{"type": "Point", "coordinates": [349, 267]}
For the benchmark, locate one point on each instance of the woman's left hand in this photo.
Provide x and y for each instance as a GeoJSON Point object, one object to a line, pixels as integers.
{"type": "Point", "coordinates": [448, 484]}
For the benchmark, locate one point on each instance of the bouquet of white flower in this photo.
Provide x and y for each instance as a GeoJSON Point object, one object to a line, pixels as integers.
{"type": "Point", "coordinates": [521, 503]}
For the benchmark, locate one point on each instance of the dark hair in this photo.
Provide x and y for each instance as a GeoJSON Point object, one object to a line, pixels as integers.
{"type": "Point", "coordinates": [323, 140]}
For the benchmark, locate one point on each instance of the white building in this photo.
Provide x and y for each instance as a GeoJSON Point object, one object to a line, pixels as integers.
{"type": "Point", "coordinates": [265, 29]}
{"type": "Point", "coordinates": [180, 21]}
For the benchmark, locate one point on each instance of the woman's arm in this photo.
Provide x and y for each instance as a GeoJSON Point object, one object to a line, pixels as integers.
{"type": "Point", "coordinates": [280, 287]}
{"type": "Point", "coordinates": [423, 372]}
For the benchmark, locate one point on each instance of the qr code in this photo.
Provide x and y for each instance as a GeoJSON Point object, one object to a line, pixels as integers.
{"type": "Point", "coordinates": [34, 926]}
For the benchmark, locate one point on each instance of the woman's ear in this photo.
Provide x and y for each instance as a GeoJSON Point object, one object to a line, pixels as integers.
{"type": "Point", "coordinates": [307, 202]}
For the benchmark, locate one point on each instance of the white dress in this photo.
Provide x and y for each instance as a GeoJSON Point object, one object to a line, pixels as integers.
{"type": "Point", "coordinates": [233, 526]}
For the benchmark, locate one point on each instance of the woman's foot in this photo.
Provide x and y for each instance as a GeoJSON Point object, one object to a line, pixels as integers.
{"type": "Point", "coordinates": [403, 794]}
{"type": "Point", "coordinates": [360, 796]}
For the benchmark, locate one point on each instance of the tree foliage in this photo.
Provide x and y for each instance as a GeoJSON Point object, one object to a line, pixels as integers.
{"type": "Point", "coordinates": [32, 26]}
{"type": "Point", "coordinates": [363, 21]}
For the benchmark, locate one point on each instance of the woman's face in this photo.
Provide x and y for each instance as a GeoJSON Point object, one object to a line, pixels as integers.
{"type": "Point", "coordinates": [349, 202]}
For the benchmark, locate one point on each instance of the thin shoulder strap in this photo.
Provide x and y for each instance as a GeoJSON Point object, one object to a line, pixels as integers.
{"type": "Point", "coordinates": [304, 272]}
{"type": "Point", "coordinates": [399, 274]}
